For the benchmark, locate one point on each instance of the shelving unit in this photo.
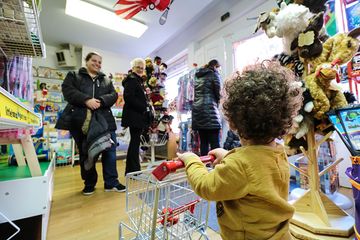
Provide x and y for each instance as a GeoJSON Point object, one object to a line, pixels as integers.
{"type": "Point", "coordinates": [25, 190]}
{"type": "Point", "coordinates": [20, 32]}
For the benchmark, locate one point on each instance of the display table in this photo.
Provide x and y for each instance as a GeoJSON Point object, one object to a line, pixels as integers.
{"type": "Point", "coordinates": [26, 189]}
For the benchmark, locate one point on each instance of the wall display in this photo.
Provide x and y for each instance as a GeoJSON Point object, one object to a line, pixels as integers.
{"type": "Point", "coordinates": [353, 15]}
{"type": "Point", "coordinates": [49, 101]}
{"type": "Point", "coordinates": [46, 72]}
{"type": "Point", "coordinates": [330, 18]}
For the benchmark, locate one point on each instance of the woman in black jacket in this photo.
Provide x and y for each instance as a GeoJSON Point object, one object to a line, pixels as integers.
{"type": "Point", "coordinates": [135, 112]}
{"type": "Point", "coordinates": [90, 89]}
{"type": "Point", "coordinates": [205, 112]}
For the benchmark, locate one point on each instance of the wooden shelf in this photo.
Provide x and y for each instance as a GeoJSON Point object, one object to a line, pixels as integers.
{"type": "Point", "coordinates": [314, 211]}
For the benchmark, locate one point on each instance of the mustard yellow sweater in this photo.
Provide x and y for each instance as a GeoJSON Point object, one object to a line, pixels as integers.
{"type": "Point", "coordinates": [251, 187]}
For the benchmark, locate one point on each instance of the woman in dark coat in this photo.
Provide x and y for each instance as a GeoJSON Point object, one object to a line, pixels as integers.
{"type": "Point", "coordinates": [90, 89]}
{"type": "Point", "coordinates": [135, 112]}
{"type": "Point", "coordinates": [205, 112]}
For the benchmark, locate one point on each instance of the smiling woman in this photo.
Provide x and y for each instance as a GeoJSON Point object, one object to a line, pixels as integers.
{"type": "Point", "coordinates": [90, 96]}
{"type": "Point", "coordinates": [135, 112]}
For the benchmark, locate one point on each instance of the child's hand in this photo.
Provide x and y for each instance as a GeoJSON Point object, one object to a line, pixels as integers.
{"type": "Point", "coordinates": [186, 157]}
{"type": "Point", "coordinates": [219, 154]}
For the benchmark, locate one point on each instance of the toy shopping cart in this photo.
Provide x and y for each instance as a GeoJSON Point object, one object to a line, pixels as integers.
{"type": "Point", "coordinates": [161, 205]}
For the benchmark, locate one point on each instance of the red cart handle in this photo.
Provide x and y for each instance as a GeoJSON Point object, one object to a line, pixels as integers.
{"type": "Point", "coordinates": [168, 167]}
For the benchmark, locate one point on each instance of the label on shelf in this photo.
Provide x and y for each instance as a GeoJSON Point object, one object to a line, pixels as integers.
{"type": "Point", "coordinates": [11, 110]}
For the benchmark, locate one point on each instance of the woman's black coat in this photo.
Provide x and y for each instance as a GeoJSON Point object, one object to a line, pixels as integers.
{"type": "Point", "coordinates": [205, 112]}
{"type": "Point", "coordinates": [135, 107]}
{"type": "Point", "coordinates": [79, 87]}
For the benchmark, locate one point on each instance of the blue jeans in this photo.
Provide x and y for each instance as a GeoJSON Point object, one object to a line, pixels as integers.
{"type": "Point", "coordinates": [108, 160]}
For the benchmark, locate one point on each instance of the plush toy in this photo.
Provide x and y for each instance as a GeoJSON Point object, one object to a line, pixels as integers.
{"type": "Point", "coordinates": [308, 42]}
{"type": "Point", "coordinates": [152, 83]}
{"type": "Point", "coordinates": [336, 51]}
{"type": "Point", "coordinates": [350, 97]}
{"type": "Point", "coordinates": [291, 20]}
{"type": "Point", "coordinates": [156, 98]}
{"type": "Point", "coordinates": [315, 6]}
{"type": "Point", "coordinates": [157, 63]}
{"type": "Point", "coordinates": [149, 67]}
{"type": "Point", "coordinates": [301, 122]}
{"type": "Point", "coordinates": [292, 62]}
{"type": "Point", "coordinates": [163, 67]}
{"type": "Point", "coordinates": [266, 21]}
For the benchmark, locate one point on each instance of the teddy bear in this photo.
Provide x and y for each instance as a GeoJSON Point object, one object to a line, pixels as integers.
{"type": "Point", "coordinates": [308, 43]}
{"type": "Point", "coordinates": [337, 50]}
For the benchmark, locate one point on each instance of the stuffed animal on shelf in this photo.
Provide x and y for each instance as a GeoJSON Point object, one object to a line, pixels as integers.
{"type": "Point", "coordinates": [157, 63]}
{"type": "Point", "coordinates": [163, 67]}
{"type": "Point", "coordinates": [336, 51]}
{"type": "Point", "coordinates": [156, 98]}
{"type": "Point", "coordinates": [153, 81]}
{"type": "Point", "coordinates": [308, 42]}
{"type": "Point", "coordinates": [149, 67]}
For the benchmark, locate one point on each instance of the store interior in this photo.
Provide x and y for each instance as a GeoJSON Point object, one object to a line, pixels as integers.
{"type": "Point", "coordinates": [42, 41]}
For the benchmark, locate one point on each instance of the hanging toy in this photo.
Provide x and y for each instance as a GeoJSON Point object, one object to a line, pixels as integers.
{"type": "Point", "coordinates": [133, 7]}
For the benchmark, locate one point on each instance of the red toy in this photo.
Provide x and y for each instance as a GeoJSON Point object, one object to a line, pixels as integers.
{"type": "Point", "coordinates": [165, 168]}
{"type": "Point", "coordinates": [133, 7]}
{"type": "Point", "coordinates": [171, 216]}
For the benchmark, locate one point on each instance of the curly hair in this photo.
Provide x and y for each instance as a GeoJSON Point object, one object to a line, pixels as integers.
{"type": "Point", "coordinates": [261, 101]}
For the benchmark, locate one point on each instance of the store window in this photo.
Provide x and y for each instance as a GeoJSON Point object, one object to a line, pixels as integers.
{"type": "Point", "coordinates": [255, 49]}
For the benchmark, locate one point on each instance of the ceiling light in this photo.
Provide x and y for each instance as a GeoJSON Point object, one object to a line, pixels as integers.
{"type": "Point", "coordinates": [102, 17]}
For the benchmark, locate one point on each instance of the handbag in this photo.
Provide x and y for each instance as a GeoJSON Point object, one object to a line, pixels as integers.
{"type": "Point", "coordinates": [124, 135]}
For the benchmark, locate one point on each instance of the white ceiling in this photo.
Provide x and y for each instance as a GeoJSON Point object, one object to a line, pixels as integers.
{"type": "Point", "coordinates": [58, 28]}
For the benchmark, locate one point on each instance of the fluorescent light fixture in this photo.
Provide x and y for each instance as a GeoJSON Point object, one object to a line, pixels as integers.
{"type": "Point", "coordinates": [105, 18]}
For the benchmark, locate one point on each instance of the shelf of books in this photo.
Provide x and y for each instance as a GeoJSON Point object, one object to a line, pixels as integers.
{"type": "Point", "coordinates": [49, 101]}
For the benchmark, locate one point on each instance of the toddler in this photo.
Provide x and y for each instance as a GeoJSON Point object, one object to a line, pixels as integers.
{"type": "Point", "coordinates": [251, 183]}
